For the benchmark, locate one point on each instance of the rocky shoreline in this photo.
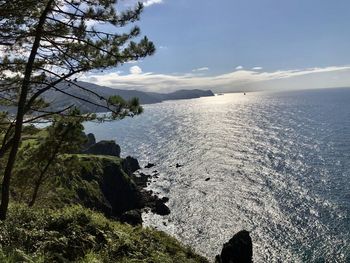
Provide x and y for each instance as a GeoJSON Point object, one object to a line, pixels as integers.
{"type": "Point", "coordinates": [124, 189]}
{"type": "Point", "coordinates": [144, 200]}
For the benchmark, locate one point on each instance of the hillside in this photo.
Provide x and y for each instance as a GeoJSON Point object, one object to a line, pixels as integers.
{"type": "Point", "coordinates": [77, 234]}
{"type": "Point", "coordinates": [59, 100]}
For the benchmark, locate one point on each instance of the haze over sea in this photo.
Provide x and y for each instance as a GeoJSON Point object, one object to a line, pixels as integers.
{"type": "Point", "coordinates": [278, 163]}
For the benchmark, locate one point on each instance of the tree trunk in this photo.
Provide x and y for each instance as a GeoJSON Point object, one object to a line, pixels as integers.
{"type": "Point", "coordinates": [5, 193]}
{"type": "Point", "coordinates": [35, 192]}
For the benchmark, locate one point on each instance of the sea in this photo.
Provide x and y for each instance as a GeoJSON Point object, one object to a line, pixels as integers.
{"type": "Point", "coordinates": [274, 163]}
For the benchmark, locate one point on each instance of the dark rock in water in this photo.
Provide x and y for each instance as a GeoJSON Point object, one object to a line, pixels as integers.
{"type": "Point", "coordinates": [178, 165]}
{"type": "Point", "coordinates": [104, 148]}
{"type": "Point", "coordinates": [165, 199]}
{"type": "Point", "coordinates": [238, 250]}
{"type": "Point", "coordinates": [156, 204]}
{"type": "Point", "coordinates": [141, 180]}
{"type": "Point", "coordinates": [130, 165]}
{"type": "Point", "coordinates": [160, 208]}
{"type": "Point", "coordinates": [207, 179]}
{"type": "Point", "coordinates": [132, 217]}
{"type": "Point", "coordinates": [150, 165]}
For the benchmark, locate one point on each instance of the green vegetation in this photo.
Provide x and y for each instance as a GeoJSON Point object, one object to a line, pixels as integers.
{"type": "Point", "coordinates": [76, 234]}
{"type": "Point", "coordinates": [45, 45]}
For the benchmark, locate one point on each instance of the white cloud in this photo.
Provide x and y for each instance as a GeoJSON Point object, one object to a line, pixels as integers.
{"type": "Point", "coordinates": [242, 80]}
{"type": "Point", "coordinates": [239, 67]}
{"type": "Point", "coordinates": [135, 70]}
{"type": "Point", "coordinates": [200, 69]}
{"type": "Point", "coordinates": [152, 2]}
{"type": "Point", "coordinates": [257, 68]}
{"type": "Point", "coordinates": [133, 62]}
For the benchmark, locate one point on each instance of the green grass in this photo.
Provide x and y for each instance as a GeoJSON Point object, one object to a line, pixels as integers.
{"type": "Point", "coordinates": [97, 158]}
{"type": "Point", "coordinates": [76, 234]}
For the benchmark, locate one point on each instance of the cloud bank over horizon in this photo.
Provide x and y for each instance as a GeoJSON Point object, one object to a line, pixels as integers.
{"type": "Point", "coordinates": [238, 80]}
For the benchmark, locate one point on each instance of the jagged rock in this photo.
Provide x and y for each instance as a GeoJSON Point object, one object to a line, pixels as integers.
{"type": "Point", "coordinates": [165, 199]}
{"type": "Point", "coordinates": [132, 217]}
{"type": "Point", "coordinates": [130, 165]}
{"type": "Point", "coordinates": [160, 208]}
{"type": "Point", "coordinates": [121, 193]}
{"type": "Point", "coordinates": [141, 179]}
{"type": "Point", "coordinates": [104, 148]}
{"type": "Point", "coordinates": [238, 250]}
{"type": "Point", "coordinates": [149, 165]}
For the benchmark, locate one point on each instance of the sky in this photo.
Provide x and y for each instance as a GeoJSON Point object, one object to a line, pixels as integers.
{"type": "Point", "coordinates": [239, 45]}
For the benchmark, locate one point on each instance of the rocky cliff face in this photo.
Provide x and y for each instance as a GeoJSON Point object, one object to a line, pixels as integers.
{"type": "Point", "coordinates": [106, 183]}
{"type": "Point", "coordinates": [104, 186]}
{"type": "Point", "coordinates": [239, 249]}
{"type": "Point", "coordinates": [104, 148]}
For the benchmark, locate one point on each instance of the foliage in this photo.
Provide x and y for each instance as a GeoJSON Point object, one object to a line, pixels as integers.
{"type": "Point", "coordinates": [75, 234]}
{"type": "Point", "coordinates": [46, 43]}
{"type": "Point", "coordinates": [41, 159]}
{"type": "Point", "coordinates": [64, 38]}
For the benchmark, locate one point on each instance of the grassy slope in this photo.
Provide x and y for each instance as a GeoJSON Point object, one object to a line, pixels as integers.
{"type": "Point", "coordinates": [76, 234]}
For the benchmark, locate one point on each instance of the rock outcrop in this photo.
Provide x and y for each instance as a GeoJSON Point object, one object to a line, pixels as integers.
{"type": "Point", "coordinates": [149, 165]}
{"type": "Point", "coordinates": [104, 148]}
{"type": "Point", "coordinates": [110, 185]}
{"type": "Point", "coordinates": [132, 217]}
{"type": "Point", "coordinates": [130, 165]}
{"type": "Point", "coordinates": [238, 250]}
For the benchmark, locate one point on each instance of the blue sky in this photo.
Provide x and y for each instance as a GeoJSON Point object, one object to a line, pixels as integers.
{"type": "Point", "coordinates": [244, 40]}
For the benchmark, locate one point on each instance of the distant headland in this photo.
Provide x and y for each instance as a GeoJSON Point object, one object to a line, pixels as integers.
{"type": "Point", "coordinates": [59, 100]}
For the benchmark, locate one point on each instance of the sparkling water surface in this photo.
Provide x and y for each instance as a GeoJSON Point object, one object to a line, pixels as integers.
{"type": "Point", "coordinates": [278, 163]}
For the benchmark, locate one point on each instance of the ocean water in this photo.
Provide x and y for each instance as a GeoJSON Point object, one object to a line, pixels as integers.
{"type": "Point", "coordinates": [278, 163]}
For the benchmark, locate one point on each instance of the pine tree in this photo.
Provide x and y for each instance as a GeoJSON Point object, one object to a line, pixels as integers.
{"type": "Point", "coordinates": [45, 43]}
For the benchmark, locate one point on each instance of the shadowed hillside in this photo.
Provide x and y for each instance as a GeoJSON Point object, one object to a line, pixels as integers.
{"type": "Point", "coordinates": [58, 100]}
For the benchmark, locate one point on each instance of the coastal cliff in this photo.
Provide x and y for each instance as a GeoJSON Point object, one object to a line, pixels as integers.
{"type": "Point", "coordinates": [93, 214]}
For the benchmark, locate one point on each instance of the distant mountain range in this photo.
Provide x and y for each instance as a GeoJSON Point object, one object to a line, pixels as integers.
{"type": "Point", "coordinates": [59, 100]}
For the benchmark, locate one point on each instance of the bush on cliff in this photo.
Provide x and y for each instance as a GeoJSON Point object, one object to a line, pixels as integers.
{"type": "Point", "coordinates": [76, 234]}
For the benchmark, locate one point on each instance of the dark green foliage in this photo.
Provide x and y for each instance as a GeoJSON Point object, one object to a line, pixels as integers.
{"type": "Point", "coordinates": [42, 157]}
{"type": "Point", "coordinates": [75, 234]}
